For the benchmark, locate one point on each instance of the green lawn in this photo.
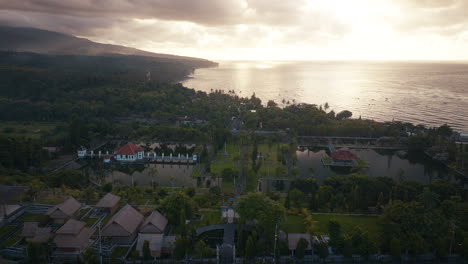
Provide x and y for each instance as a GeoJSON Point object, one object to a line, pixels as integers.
{"type": "Point", "coordinates": [217, 168]}
{"type": "Point", "coordinates": [90, 221]}
{"type": "Point", "coordinates": [293, 224]}
{"type": "Point", "coordinates": [26, 129]}
{"type": "Point", "coordinates": [348, 223]}
{"type": "Point", "coordinates": [228, 186]}
{"type": "Point", "coordinates": [210, 218]}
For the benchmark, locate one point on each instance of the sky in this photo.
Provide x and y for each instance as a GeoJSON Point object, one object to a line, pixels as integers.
{"type": "Point", "coordinates": [260, 29]}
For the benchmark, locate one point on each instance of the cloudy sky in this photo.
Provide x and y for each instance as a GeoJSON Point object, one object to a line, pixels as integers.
{"type": "Point", "coordinates": [260, 29]}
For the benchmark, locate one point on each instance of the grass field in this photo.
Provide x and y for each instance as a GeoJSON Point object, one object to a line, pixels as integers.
{"type": "Point", "coordinates": [26, 129]}
{"type": "Point", "coordinates": [348, 223]}
{"type": "Point", "coordinates": [295, 224]}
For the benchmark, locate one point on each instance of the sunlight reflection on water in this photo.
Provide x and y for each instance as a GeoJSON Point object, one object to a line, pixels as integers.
{"type": "Point", "coordinates": [422, 93]}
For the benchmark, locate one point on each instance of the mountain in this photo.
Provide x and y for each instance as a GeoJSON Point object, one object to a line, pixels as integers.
{"type": "Point", "coordinates": [54, 43]}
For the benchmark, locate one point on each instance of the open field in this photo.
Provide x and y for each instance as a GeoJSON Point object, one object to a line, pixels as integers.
{"type": "Point", "coordinates": [347, 222]}
{"type": "Point", "coordinates": [295, 224]}
{"type": "Point", "coordinates": [26, 129]}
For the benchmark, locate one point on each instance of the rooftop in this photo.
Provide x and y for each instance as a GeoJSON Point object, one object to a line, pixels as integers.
{"type": "Point", "coordinates": [156, 219]}
{"type": "Point", "coordinates": [68, 207]}
{"type": "Point", "coordinates": [71, 227]}
{"type": "Point", "coordinates": [108, 201]}
{"type": "Point", "coordinates": [343, 155]}
{"type": "Point", "coordinates": [127, 217]}
{"type": "Point", "coordinates": [128, 149]}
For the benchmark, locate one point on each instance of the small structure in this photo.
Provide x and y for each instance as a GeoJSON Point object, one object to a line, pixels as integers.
{"type": "Point", "coordinates": [61, 212]}
{"type": "Point", "coordinates": [109, 203]}
{"type": "Point", "coordinates": [35, 234]}
{"type": "Point", "coordinates": [52, 149]}
{"type": "Point", "coordinates": [81, 152]}
{"type": "Point", "coordinates": [152, 231]}
{"type": "Point", "coordinates": [154, 224]}
{"type": "Point", "coordinates": [122, 227]}
{"type": "Point", "coordinates": [72, 237]}
{"type": "Point", "coordinates": [129, 152]}
{"type": "Point", "coordinates": [228, 213]}
{"type": "Point", "coordinates": [344, 158]}
{"type": "Point", "coordinates": [107, 159]}
{"type": "Point", "coordinates": [463, 137]}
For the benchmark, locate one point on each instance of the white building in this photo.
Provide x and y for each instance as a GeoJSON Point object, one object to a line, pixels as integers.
{"type": "Point", "coordinates": [81, 152]}
{"type": "Point", "coordinates": [129, 152]}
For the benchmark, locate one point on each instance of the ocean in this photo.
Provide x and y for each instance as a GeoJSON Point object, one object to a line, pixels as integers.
{"type": "Point", "coordinates": [428, 93]}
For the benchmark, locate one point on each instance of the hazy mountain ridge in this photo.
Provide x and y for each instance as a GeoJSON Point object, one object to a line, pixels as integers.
{"type": "Point", "coordinates": [49, 42]}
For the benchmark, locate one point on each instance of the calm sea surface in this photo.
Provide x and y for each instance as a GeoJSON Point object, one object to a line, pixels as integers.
{"type": "Point", "coordinates": [422, 93]}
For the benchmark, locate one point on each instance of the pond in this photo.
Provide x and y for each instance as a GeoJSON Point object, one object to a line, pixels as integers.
{"type": "Point", "coordinates": [164, 175]}
{"type": "Point", "coordinates": [384, 163]}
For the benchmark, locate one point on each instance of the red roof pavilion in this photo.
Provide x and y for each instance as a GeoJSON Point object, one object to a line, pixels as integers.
{"type": "Point", "coordinates": [343, 155]}
{"type": "Point", "coordinates": [128, 149]}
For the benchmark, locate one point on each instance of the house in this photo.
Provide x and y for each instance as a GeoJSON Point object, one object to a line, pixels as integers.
{"type": "Point", "coordinates": [154, 224]}
{"type": "Point", "coordinates": [122, 227]}
{"type": "Point", "coordinates": [72, 237]}
{"type": "Point", "coordinates": [81, 152]}
{"type": "Point", "coordinates": [152, 230]}
{"type": "Point", "coordinates": [129, 152]}
{"type": "Point", "coordinates": [35, 234]}
{"type": "Point", "coordinates": [61, 212]}
{"type": "Point", "coordinates": [109, 203]}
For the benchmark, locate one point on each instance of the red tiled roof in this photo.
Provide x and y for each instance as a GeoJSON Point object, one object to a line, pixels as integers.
{"type": "Point", "coordinates": [343, 155]}
{"type": "Point", "coordinates": [128, 149]}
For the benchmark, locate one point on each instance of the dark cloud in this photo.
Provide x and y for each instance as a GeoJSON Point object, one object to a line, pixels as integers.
{"type": "Point", "coordinates": [187, 27]}
{"type": "Point", "coordinates": [210, 12]}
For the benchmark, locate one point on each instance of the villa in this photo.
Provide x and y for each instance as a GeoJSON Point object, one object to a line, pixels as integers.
{"type": "Point", "coordinates": [129, 152]}
{"type": "Point", "coordinates": [152, 231]}
{"type": "Point", "coordinates": [122, 227]}
{"type": "Point", "coordinates": [65, 210]}
{"type": "Point", "coordinates": [109, 203]}
{"type": "Point", "coordinates": [72, 237]}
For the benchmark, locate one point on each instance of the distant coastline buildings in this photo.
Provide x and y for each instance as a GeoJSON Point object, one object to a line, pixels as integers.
{"type": "Point", "coordinates": [133, 153]}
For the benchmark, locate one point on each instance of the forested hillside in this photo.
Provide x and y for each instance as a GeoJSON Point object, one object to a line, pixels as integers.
{"type": "Point", "coordinates": [50, 42]}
